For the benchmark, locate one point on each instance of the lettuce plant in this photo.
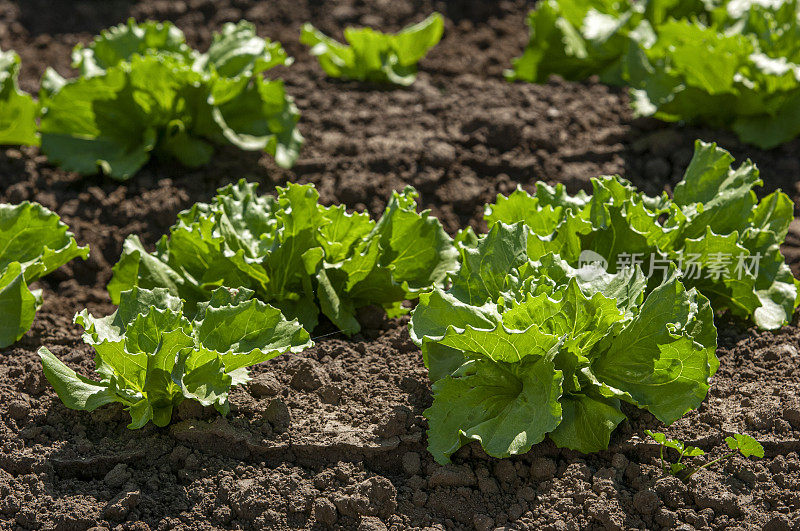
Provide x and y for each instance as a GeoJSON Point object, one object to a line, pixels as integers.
{"type": "Point", "coordinates": [726, 241]}
{"type": "Point", "coordinates": [142, 90]}
{"type": "Point", "coordinates": [17, 109]}
{"type": "Point", "coordinates": [301, 257]}
{"type": "Point", "coordinates": [33, 243]}
{"type": "Point", "coordinates": [524, 346]}
{"type": "Point", "coordinates": [152, 353]}
{"type": "Point", "coordinates": [370, 55]}
{"type": "Point", "coordinates": [722, 63]}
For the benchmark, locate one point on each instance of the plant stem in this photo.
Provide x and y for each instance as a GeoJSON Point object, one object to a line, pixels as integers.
{"type": "Point", "coordinates": [696, 470]}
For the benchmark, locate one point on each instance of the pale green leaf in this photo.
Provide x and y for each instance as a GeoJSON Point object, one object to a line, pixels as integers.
{"type": "Point", "coordinates": [77, 392]}
{"type": "Point", "coordinates": [18, 111]}
{"type": "Point", "coordinates": [746, 445]}
{"type": "Point", "coordinates": [33, 243]}
{"type": "Point", "coordinates": [507, 407]}
{"type": "Point", "coordinates": [587, 423]}
{"type": "Point", "coordinates": [370, 55]}
{"type": "Point", "coordinates": [17, 305]}
{"type": "Point", "coordinates": [654, 362]}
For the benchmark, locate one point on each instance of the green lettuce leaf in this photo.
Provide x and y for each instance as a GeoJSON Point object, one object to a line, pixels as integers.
{"type": "Point", "coordinates": [522, 347]}
{"type": "Point", "coordinates": [95, 123]}
{"type": "Point", "coordinates": [151, 354]}
{"type": "Point", "coordinates": [302, 257]}
{"type": "Point", "coordinates": [18, 304]}
{"type": "Point", "coordinates": [370, 55]}
{"type": "Point", "coordinates": [663, 358]}
{"type": "Point", "coordinates": [18, 111]}
{"type": "Point", "coordinates": [33, 243]}
{"type": "Point", "coordinates": [587, 421]}
{"type": "Point", "coordinates": [506, 407]}
{"type": "Point", "coordinates": [236, 51]}
{"type": "Point", "coordinates": [120, 43]}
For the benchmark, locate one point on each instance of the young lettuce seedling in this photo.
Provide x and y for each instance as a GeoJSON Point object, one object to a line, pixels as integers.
{"type": "Point", "coordinates": [370, 55]}
{"type": "Point", "coordinates": [304, 258]}
{"type": "Point", "coordinates": [743, 444]}
{"type": "Point", "coordinates": [153, 352]}
{"type": "Point", "coordinates": [522, 346]}
{"type": "Point", "coordinates": [142, 91]}
{"type": "Point", "coordinates": [678, 446]}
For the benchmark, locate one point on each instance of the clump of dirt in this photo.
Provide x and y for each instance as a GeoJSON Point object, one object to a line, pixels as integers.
{"type": "Point", "coordinates": [335, 437]}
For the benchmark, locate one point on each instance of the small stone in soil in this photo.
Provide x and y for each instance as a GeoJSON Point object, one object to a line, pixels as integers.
{"type": "Point", "coordinates": [488, 486]}
{"type": "Point", "coordinates": [411, 463]}
{"type": "Point", "coordinates": [787, 351]}
{"type": "Point", "coordinates": [504, 471]}
{"type": "Point", "coordinates": [117, 476]}
{"type": "Point", "coordinates": [325, 511]}
{"type": "Point", "coordinates": [330, 393]}
{"type": "Point", "coordinates": [121, 505]}
{"type": "Point", "coordinates": [371, 523]}
{"type": "Point", "coordinates": [308, 376]}
{"type": "Point", "coordinates": [646, 501]}
{"type": "Point", "coordinates": [666, 518]}
{"type": "Point", "coordinates": [791, 415]}
{"type": "Point", "coordinates": [440, 154]}
{"type": "Point", "coordinates": [278, 415]}
{"type": "Point", "coordinates": [18, 409]}
{"type": "Point", "coordinates": [671, 490]}
{"type": "Point", "coordinates": [265, 385]}
{"type": "Point", "coordinates": [619, 461]}
{"type": "Point", "coordinates": [542, 468]}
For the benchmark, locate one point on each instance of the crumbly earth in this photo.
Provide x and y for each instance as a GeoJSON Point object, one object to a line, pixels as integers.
{"type": "Point", "coordinates": [335, 437]}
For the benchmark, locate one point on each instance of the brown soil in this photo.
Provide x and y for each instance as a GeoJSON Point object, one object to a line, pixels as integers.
{"type": "Point", "coordinates": [335, 436]}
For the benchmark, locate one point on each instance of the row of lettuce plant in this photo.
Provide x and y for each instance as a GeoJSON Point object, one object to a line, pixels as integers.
{"type": "Point", "coordinates": [142, 91]}
{"type": "Point", "coordinates": [241, 280]}
{"type": "Point", "coordinates": [524, 337]}
{"type": "Point", "coordinates": [725, 63]}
